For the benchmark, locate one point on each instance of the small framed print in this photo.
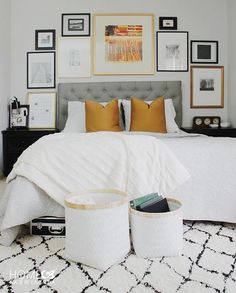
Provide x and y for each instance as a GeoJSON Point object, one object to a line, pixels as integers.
{"type": "Point", "coordinates": [45, 39]}
{"type": "Point", "coordinates": [42, 110]}
{"type": "Point", "coordinates": [172, 51]}
{"type": "Point", "coordinates": [205, 52]}
{"type": "Point", "coordinates": [75, 25]}
{"type": "Point", "coordinates": [41, 70]}
{"type": "Point", "coordinates": [168, 23]}
{"type": "Point", "coordinates": [207, 86]}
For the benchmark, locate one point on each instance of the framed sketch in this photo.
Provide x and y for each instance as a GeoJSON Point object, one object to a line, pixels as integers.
{"type": "Point", "coordinates": [42, 110]}
{"type": "Point", "coordinates": [123, 44]}
{"type": "Point", "coordinates": [75, 24]}
{"type": "Point", "coordinates": [73, 57]}
{"type": "Point", "coordinates": [45, 39]}
{"type": "Point", "coordinates": [207, 86]}
{"type": "Point", "coordinates": [168, 23]}
{"type": "Point", "coordinates": [172, 51]}
{"type": "Point", "coordinates": [41, 70]}
{"type": "Point", "coordinates": [204, 52]}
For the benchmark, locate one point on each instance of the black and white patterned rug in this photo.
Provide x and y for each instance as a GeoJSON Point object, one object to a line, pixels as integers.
{"type": "Point", "coordinates": [37, 264]}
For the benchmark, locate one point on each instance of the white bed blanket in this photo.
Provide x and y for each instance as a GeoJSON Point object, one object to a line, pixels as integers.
{"type": "Point", "coordinates": [63, 163]}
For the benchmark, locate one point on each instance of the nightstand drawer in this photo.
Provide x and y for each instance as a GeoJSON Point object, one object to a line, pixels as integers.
{"type": "Point", "coordinates": [217, 132]}
{"type": "Point", "coordinates": [19, 143]}
{"type": "Point", "coordinates": [15, 142]}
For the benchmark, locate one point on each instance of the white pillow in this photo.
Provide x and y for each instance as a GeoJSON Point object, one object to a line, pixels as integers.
{"type": "Point", "coordinates": [76, 116]}
{"type": "Point", "coordinates": [170, 114]}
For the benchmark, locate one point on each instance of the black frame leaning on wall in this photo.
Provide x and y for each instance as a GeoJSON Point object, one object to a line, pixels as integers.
{"type": "Point", "coordinates": [54, 70]}
{"type": "Point", "coordinates": [51, 31]}
{"type": "Point", "coordinates": [163, 27]}
{"type": "Point", "coordinates": [68, 34]}
{"type": "Point", "coordinates": [158, 69]}
{"type": "Point", "coordinates": [216, 43]}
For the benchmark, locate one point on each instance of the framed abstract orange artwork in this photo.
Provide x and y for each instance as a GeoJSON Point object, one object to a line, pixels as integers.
{"type": "Point", "coordinates": [123, 44]}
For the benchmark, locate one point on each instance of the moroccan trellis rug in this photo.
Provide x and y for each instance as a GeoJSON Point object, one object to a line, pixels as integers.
{"type": "Point", "coordinates": [37, 264]}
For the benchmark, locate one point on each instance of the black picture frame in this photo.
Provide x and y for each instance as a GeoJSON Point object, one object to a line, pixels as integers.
{"type": "Point", "coordinates": [50, 34]}
{"type": "Point", "coordinates": [204, 52]}
{"type": "Point", "coordinates": [161, 46]}
{"type": "Point", "coordinates": [49, 71]}
{"type": "Point", "coordinates": [168, 23]}
{"type": "Point", "coordinates": [75, 24]}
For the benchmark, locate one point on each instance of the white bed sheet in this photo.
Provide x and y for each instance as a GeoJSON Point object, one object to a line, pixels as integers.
{"type": "Point", "coordinates": [210, 194]}
{"type": "Point", "coordinates": [64, 163]}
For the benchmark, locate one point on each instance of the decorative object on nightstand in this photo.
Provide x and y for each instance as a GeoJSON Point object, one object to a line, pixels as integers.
{"type": "Point", "coordinates": [206, 121]}
{"type": "Point", "coordinates": [18, 115]}
{"type": "Point", "coordinates": [15, 142]}
{"type": "Point", "coordinates": [217, 132]}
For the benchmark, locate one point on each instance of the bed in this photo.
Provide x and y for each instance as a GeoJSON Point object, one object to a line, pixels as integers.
{"type": "Point", "coordinates": [207, 194]}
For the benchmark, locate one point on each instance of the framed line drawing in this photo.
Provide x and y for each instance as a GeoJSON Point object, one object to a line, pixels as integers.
{"type": "Point", "coordinates": [41, 70]}
{"type": "Point", "coordinates": [74, 57]}
{"type": "Point", "coordinates": [45, 39]}
{"type": "Point", "coordinates": [42, 110]}
{"type": "Point", "coordinates": [168, 23]}
{"type": "Point", "coordinates": [207, 87]}
{"type": "Point", "coordinates": [123, 44]}
{"type": "Point", "coordinates": [172, 51]}
{"type": "Point", "coordinates": [205, 52]}
{"type": "Point", "coordinates": [75, 25]}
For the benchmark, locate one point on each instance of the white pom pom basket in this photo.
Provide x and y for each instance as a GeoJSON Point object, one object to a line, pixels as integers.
{"type": "Point", "coordinates": [97, 227]}
{"type": "Point", "coordinates": [158, 234]}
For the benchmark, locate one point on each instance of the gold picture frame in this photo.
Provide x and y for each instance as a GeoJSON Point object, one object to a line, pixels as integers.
{"type": "Point", "coordinates": [123, 44]}
{"type": "Point", "coordinates": [43, 110]}
{"type": "Point", "coordinates": [207, 87]}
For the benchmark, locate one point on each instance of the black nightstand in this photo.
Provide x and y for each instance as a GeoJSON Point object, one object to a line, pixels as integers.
{"type": "Point", "coordinates": [15, 142]}
{"type": "Point", "coordinates": [220, 132]}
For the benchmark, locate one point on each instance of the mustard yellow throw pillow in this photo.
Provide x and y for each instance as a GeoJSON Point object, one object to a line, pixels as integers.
{"type": "Point", "coordinates": [145, 117]}
{"type": "Point", "coordinates": [102, 118]}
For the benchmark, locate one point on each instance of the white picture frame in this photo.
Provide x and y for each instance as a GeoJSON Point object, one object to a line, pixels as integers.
{"type": "Point", "coordinates": [41, 70]}
{"type": "Point", "coordinates": [207, 87]}
{"type": "Point", "coordinates": [123, 44]}
{"type": "Point", "coordinates": [74, 58]}
{"type": "Point", "coordinates": [42, 112]}
{"type": "Point", "coordinates": [172, 51]}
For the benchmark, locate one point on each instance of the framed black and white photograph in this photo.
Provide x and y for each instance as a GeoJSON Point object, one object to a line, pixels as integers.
{"type": "Point", "coordinates": [41, 70]}
{"type": "Point", "coordinates": [172, 51]}
{"type": "Point", "coordinates": [75, 25]}
{"type": "Point", "coordinates": [74, 57]}
{"type": "Point", "coordinates": [205, 52]}
{"type": "Point", "coordinates": [207, 86]}
{"type": "Point", "coordinates": [168, 23]}
{"type": "Point", "coordinates": [42, 110]}
{"type": "Point", "coordinates": [45, 39]}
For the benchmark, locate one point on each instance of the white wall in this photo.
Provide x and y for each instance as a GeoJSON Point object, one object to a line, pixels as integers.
{"type": "Point", "coordinates": [204, 19]}
{"type": "Point", "coordinates": [232, 60]}
{"type": "Point", "coordinates": [5, 31]}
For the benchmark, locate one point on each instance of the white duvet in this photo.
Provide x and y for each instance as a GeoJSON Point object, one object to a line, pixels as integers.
{"type": "Point", "coordinates": [62, 163]}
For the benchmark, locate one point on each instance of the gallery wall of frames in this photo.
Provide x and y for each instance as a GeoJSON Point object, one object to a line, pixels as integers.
{"type": "Point", "coordinates": [125, 46]}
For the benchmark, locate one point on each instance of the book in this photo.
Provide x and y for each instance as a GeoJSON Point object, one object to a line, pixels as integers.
{"type": "Point", "coordinates": [158, 206]}
{"type": "Point", "coordinates": [140, 200]}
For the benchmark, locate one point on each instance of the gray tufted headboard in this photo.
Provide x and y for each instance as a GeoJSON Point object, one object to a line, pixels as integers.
{"type": "Point", "coordinates": [105, 91]}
